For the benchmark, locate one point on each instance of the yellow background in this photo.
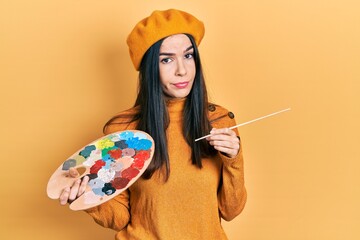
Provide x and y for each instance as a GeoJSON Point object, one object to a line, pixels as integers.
{"type": "Point", "coordinates": [65, 70]}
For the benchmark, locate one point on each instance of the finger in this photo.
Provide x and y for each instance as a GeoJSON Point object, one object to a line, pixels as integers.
{"type": "Point", "coordinates": [83, 185]}
{"type": "Point", "coordinates": [225, 144]}
{"type": "Point", "coordinates": [226, 131]}
{"type": "Point", "coordinates": [73, 172]}
{"type": "Point", "coordinates": [74, 190]}
{"type": "Point", "coordinates": [64, 197]}
{"type": "Point", "coordinates": [223, 137]}
{"type": "Point", "coordinates": [231, 153]}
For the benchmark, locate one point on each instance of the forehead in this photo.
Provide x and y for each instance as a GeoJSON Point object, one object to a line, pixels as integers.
{"type": "Point", "coordinates": [176, 42]}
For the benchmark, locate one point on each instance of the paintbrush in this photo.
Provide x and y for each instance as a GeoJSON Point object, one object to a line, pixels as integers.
{"type": "Point", "coordinates": [251, 121]}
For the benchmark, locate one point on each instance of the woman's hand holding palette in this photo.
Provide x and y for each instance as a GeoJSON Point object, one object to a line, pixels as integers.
{"type": "Point", "coordinates": [112, 163]}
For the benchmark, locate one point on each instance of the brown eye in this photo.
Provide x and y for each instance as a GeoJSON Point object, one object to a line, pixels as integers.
{"type": "Point", "coordinates": [189, 55]}
{"type": "Point", "coordinates": [166, 60]}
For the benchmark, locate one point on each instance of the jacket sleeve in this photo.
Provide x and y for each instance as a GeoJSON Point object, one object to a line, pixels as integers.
{"type": "Point", "coordinates": [232, 193]}
{"type": "Point", "coordinates": [114, 214]}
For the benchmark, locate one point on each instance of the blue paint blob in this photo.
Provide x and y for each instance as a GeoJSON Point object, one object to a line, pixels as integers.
{"type": "Point", "coordinates": [126, 135]}
{"type": "Point", "coordinates": [121, 144]}
{"type": "Point", "coordinates": [96, 183]}
{"type": "Point", "coordinates": [87, 151]}
{"type": "Point", "coordinates": [69, 164]}
{"type": "Point", "coordinates": [98, 191]}
{"type": "Point", "coordinates": [139, 144]}
{"type": "Point", "coordinates": [107, 158]}
{"type": "Point", "coordinates": [107, 164]}
{"type": "Point", "coordinates": [140, 135]}
{"type": "Point", "coordinates": [108, 189]}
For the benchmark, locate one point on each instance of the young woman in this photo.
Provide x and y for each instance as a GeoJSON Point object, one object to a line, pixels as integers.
{"type": "Point", "coordinates": [189, 186]}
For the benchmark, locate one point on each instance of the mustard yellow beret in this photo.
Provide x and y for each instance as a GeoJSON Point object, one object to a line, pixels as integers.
{"type": "Point", "coordinates": [158, 25]}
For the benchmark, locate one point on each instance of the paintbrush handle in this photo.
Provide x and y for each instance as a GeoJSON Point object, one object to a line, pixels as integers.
{"type": "Point", "coordinates": [251, 121]}
{"type": "Point", "coordinates": [257, 119]}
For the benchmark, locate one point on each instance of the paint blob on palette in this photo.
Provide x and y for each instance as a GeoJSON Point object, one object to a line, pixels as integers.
{"type": "Point", "coordinates": [112, 163]}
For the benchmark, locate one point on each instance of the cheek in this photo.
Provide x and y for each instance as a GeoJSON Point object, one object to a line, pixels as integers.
{"type": "Point", "coordinates": [163, 81]}
{"type": "Point", "coordinates": [192, 68]}
{"type": "Point", "coordinates": [163, 76]}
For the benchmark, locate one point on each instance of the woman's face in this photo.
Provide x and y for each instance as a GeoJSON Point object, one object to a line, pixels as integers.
{"type": "Point", "coordinates": [177, 66]}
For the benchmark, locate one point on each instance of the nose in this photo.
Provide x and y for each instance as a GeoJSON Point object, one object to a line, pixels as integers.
{"type": "Point", "coordinates": [180, 68]}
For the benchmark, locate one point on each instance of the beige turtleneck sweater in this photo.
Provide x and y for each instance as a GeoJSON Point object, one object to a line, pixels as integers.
{"type": "Point", "coordinates": [191, 203]}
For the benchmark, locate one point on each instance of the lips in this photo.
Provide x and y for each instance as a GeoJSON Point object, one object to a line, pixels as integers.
{"type": "Point", "coordinates": [181, 84]}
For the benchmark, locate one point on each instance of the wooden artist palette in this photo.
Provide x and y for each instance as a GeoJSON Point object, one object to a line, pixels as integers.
{"type": "Point", "coordinates": [113, 163]}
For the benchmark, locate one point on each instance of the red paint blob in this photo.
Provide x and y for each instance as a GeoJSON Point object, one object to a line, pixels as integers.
{"type": "Point", "coordinates": [142, 155]}
{"type": "Point", "coordinates": [139, 164]}
{"type": "Point", "coordinates": [97, 166]}
{"type": "Point", "coordinates": [119, 183]}
{"type": "Point", "coordinates": [115, 153]}
{"type": "Point", "coordinates": [129, 173]}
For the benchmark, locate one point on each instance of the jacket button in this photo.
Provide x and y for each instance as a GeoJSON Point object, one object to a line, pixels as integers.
{"type": "Point", "coordinates": [231, 115]}
{"type": "Point", "coordinates": [211, 108]}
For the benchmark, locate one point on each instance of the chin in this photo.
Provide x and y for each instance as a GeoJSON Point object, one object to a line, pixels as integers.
{"type": "Point", "coordinates": [177, 94]}
{"type": "Point", "coordinates": [180, 95]}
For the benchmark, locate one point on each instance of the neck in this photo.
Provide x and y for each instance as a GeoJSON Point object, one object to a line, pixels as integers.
{"type": "Point", "coordinates": [175, 108]}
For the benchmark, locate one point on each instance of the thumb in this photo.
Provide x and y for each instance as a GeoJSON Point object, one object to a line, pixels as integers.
{"type": "Point", "coordinates": [73, 172]}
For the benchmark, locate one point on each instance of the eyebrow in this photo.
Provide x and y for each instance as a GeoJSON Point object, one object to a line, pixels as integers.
{"type": "Point", "coordinates": [171, 54]}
